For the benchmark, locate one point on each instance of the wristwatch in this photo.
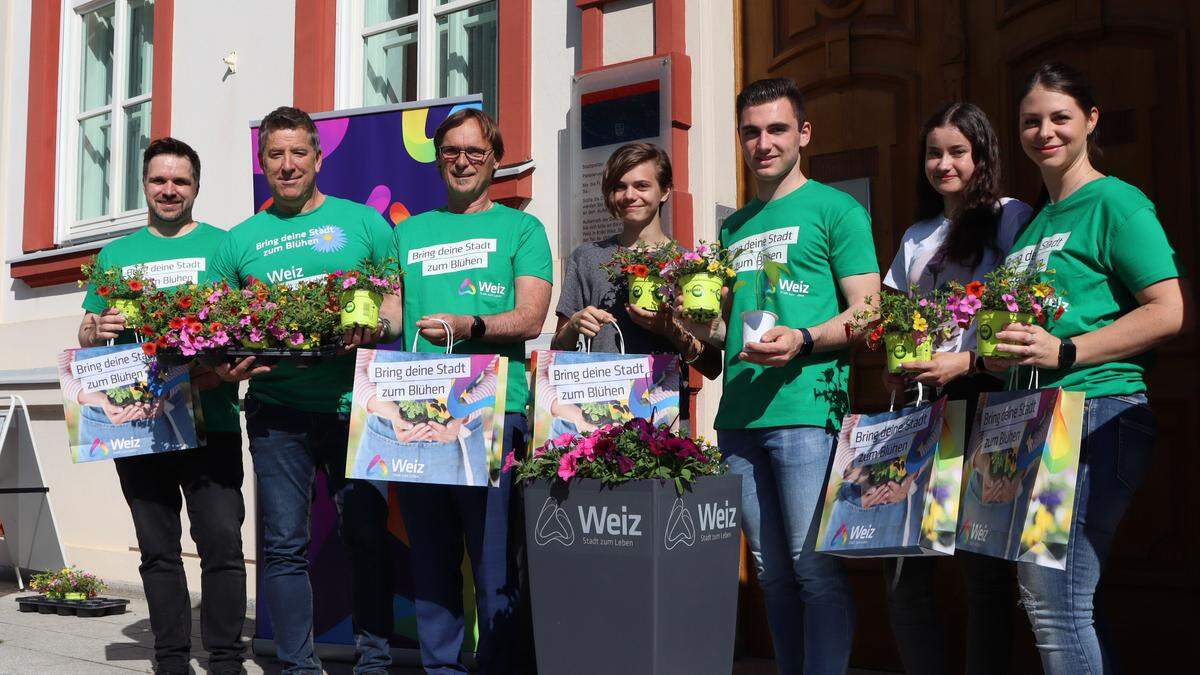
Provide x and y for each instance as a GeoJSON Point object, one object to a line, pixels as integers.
{"type": "Point", "coordinates": [1066, 354]}
{"type": "Point", "coordinates": [478, 327]}
{"type": "Point", "coordinates": [807, 347]}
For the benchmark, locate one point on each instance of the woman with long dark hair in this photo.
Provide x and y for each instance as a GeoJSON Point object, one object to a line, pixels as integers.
{"type": "Point", "coordinates": [1113, 263]}
{"type": "Point", "coordinates": [963, 230]}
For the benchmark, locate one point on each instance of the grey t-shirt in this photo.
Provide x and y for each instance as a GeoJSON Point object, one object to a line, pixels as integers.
{"type": "Point", "coordinates": [586, 283]}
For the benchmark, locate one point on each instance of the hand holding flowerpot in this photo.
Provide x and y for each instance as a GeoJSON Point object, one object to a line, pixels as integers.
{"type": "Point", "coordinates": [989, 322]}
{"type": "Point", "coordinates": [645, 291]}
{"type": "Point", "coordinates": [701, 296]}
{"type": "Point", "coordinates": [902, 348]}
{"type": "Point", "coordinates": [360, 307]}
{"type": "Point", "coordinates": [755, 323]}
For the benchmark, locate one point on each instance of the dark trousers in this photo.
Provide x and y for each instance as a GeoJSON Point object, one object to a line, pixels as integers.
{"type": "Point", "coordinates": [439, 519]}
{"type": "Point", "coordinates": [287, 445]}
{"type": "Point", "coordinates": [209, 479]}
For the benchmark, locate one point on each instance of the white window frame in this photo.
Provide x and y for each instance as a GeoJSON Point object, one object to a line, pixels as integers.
{"type": "Point", "coordinates": [352, 34]}
{"type": "Point", "coordinates": [67, 229]}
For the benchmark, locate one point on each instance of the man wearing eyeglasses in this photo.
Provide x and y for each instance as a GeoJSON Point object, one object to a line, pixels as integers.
{"type": "Point", "coordinates": [484, 271]}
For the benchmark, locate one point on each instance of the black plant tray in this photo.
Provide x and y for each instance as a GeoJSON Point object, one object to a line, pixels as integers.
{"type": "Point", "coordinates": [267, 357]}
{"type": "Point", "coordinates": [94, 607]}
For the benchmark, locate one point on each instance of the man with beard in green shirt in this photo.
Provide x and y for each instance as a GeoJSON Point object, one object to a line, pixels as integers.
{"type": "Point", "coordinates": [299, 418]}
{"type": "Point", "coordinates": [174, 249]}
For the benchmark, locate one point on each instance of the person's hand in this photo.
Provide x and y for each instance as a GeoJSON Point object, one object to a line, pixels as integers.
{"type": "Point", "coordinates": [1032, 345]}
{"type": "Point", "coordinates": [106, 325]}
{"type": "Point", "coordinates": [360, 336]}
{"type": "Point", "coordinates": [120, 414]}
{"type": "Point", "coordinates": [589, 320]}
{"type": "Point", "coordinates": [712, 332]}
{"type": "Point", "coordinates": [153, 409]}
{"type": "Point", "coordinates": [874, 496]}
{"type": "Point", "coordinates": [446, 433]}
{"type": "Point", "coordinates": [944, 368]}
{"type": "Point", "coordinates": [573, 414]}
{"type": "Point", "coordinates": [431, 327]}
{"type": "Point", "coordinates": [1000, 490]}
{"type": "Point", "coordinates": [660, 323]}
{"type": "Point", "coordinates": [407, 432]}
{"type": "Point", "coordinates": [777, 348]}
{"type": "Point", "coordinates": [244, 370]}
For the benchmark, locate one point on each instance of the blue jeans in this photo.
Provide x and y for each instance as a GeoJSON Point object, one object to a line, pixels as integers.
{"type": "Point", "coordinates": [807, 595]}
{"type": "Point", "coordinates": [439, 518]}
{"type": "Point", "coordinates": [1118, 437]}
{"type": "Point", "coordinates": [287, 445]}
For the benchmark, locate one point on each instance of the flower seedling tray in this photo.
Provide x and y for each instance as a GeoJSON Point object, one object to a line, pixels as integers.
{"type": "Point", "coordinates": [83, 608]}
{"type": "Point", "coordinates": [302, 357]}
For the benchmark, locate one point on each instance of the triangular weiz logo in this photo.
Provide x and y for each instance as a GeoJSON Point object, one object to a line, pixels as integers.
{"type": "Point", "coordinates": [680, 528]}
{"type": "Point", "coordinates": [553, 525]}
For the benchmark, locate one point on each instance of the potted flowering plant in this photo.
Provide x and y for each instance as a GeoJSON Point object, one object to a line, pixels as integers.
{"type": "Point", "coordinates": [307, 317]}
{"type": "Point", "coordinates": [628, 526]}
{"type": "Point", "coordinates": [641, 268]}
{"type": "Point", "coordinates": [122, 292]}
{"type": "Point", "coordinates": [1006, 295]}
{"type": "Point", "coordinates": [69, 583]}
{"type": "Point", "coordinates": [908, 325]}
{"type": "Point", "coordinates": [360, 291]}
{"type": "Point", "coordinates": [699, 275]}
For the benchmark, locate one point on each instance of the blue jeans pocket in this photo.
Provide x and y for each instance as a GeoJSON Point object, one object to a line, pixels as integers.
{"type": "Point", "coordinates": [1135, 441]}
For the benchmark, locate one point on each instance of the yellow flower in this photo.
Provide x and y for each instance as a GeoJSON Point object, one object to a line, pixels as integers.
{"type": "Point", "coordinates": [730, 271]}
{"type": "Point", "coordinates": [919, 322]}
{"type": "Point", "coordinates": [1043, 290]}
{"type": "Point", "coordinates": [714, 266]}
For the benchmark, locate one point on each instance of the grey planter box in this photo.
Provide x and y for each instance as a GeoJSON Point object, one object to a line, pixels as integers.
{"type": "Point", "coordinates": [635, 579]}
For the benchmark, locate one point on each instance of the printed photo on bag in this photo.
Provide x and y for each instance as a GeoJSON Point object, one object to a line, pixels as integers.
{"type": "Point", "coordinates": [120, 402]}
{"type": "Point", "coordinates": [427, 418]}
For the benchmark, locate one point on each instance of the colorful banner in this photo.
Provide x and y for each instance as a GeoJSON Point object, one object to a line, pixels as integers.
{"type": "Point", "coordinates": [889, 480]}
{"type": "Point", "coordinates": [119, 402]}
{"type": "Point", "coordinates": [574, 392]}
{"type": "Point", "coordinates": [427, 418]}
{"type": "Point", "coordinates": [1019, 476]}
{"type": "Point", "coordinates": [382, 157]}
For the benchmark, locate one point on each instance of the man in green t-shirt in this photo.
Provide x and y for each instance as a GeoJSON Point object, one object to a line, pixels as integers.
{"type": "Point", "coordinates": [174, 249]}
{"type": "Point", "coordinates": [298, 417]}
{"type": "Point", "coordinates": [484, 271]}
{"type": "Point", "coordinates": [806, 255]}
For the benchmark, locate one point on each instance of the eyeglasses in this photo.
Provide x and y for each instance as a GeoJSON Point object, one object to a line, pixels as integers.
{"type": "Point", "coordinates": [474, 155]}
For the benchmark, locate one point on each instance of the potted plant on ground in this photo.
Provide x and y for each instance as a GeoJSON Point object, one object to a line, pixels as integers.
{"type": "Point", "coordinates": [1006, 295]}
{"type": "Point", "coordinates": [633, 538]}
{"type": "Point", "coordinates": [909, 326]}
{"type": "Point", "coordinates": [699, 276]}
{"type": "Point", "coordinates": [640, 268]}
{"type": "Point", "coordinates": [69, 583]}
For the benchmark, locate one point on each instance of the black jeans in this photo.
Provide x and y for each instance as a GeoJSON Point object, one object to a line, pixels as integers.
{"type": "Point", "coordinates": [210, 480]}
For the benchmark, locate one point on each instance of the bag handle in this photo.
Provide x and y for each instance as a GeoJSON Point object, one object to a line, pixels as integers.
{"type": "Point", "coordinates": [449, 336]}
{"type": "Point", "coordinates": [920, 398]}
{"type": "Point", "coordinates": [586, 342]}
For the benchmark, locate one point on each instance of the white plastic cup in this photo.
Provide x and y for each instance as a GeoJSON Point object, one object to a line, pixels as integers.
{"type": "Point", "coordinates": [756, 322]}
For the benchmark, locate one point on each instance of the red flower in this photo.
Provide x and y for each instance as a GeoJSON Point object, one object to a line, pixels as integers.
{"type": "Point", "coordinates": [640, 271]}
{"type": "Point", "coordinates": [1059, 312]}
{"type": "Point", "coordinates": [176, 323]}
{"type": "Point", "coordinates": [215, 326]}
{"type": "Point", "coordinates": [976, 289]}
{"type": "Point", "coordinates": [147, 330]}
{"type": "Point", "coordinates": [161, 341]}
{"type": "Point", "coordinates": [150, 348]}
{"type": "Point", "coordinates": [184, 301]}
{"type": "Point", "coordinates": [135, 285]}
{"type": "Point", "coordinates": [104, 290]}
{"type": "Point", "coordinates": [195, 326]}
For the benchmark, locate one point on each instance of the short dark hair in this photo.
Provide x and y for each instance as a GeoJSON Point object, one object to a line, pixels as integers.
{"type": "Point", "coordinates": [287, 117]}
{"type": "Point", "coordinates": [170, 146]}
{"type": "Point", "coordinates": [770, 89]}
{"type": "Point", "coordinates": [622, 162]}
{"type": "Point", "coordinates": [491, 131]}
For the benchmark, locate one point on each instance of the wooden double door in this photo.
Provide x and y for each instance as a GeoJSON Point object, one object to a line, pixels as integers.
{"type": "Point", "coordinates": [871, 72]}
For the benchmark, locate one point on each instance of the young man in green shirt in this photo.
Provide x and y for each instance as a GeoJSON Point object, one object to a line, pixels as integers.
{"type": "Point", "coordinates": [298, 418]}
{"type": "Point", "coordinates": [174, 249]}
{"type": "Point", "coordinates": [809, 247]}
{"type": "Point", "coordinates": [484, 270]}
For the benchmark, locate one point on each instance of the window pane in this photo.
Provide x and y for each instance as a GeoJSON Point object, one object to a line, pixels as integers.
{"type": "Point", "coordinates": [97, 75]}
{"type": "Point", "coordinates": [141, 47]}
{"type": "Point", "coordinates": [382, 11]}
{"type": "Point", "coordinates": [467, 54]}
{"type": "Point", "coordinates": [92, 195]}
{"type": "Point", "coordinates": [137, 137]}
{"type": "Point", "coordinates": [390, 67]}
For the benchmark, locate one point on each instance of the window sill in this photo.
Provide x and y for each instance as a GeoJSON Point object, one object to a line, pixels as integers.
{"type": "Point", "coordinates": [55, 266]}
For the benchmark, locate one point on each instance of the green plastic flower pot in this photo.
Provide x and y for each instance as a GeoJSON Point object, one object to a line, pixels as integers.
{"type": "Point", "coordinates": [901, 348]}
{"type": "Point", "coordinates": [360, 307]}
{"type": "Point", "coordinates": [74, 596]}
{"type": "Point", "coordinates": [988, 322]}
{"type": "Point", "coordinates": [643, 292]}
{"type": "Point", "coordinates": [128, 309]}
{"type": "Point", "coordinates": [701, 294]}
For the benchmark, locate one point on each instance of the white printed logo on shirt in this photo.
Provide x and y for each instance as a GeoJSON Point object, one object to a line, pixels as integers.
{"type": "Point", "coordinates": [453, 257]}
{"type": "Point", "coordinates": [770, 245]}
{"type": "Point", "coordinates": [168, 273]}
{"type": "Point", "coordinates": [1037, 255]}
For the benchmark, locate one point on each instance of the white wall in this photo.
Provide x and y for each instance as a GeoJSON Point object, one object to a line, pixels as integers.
{"type": "Point", "coordinates": [628, 30]}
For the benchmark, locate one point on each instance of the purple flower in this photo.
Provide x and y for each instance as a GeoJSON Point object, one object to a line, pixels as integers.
{"type": "Point", "coordinates": [1050, 499]}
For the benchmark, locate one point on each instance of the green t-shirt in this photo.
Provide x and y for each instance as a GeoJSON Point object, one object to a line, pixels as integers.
{"type": "Point", "coordinates": [1104, 244]}
{"type": "Point", "coordinates": [337, 235]}
{"type": "Point", "coordinates": [812, 237]}
{"type": "Point", "coordinates": [468, 264]}
{"type": "Point", "coordinates": [171, 262]}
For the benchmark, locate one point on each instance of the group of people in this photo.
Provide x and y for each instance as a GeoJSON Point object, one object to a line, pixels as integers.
{"type": "Point", "coordinates": [782, 403]}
